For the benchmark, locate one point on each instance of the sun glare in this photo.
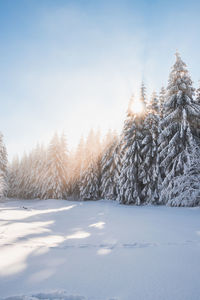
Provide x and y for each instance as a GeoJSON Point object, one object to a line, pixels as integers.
{"type": "Point", "coordinates": [137, 107]}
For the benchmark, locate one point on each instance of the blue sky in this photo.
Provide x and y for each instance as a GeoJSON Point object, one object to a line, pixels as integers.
{"type": "Point", "coordinates": [72, 65]}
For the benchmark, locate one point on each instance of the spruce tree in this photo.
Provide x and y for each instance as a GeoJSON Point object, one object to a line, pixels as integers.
{"type": "Point", "coordinates": [90, 184]}
{"type": "Point", "coordinates": [149, 168]}
{"type": "Point", "coordinates": [108, 170]}
{"type": "Point", "coordinates": [177, 136]}
{"type": "Point", "coordinates": [90, 173]}
{"type": "Point", "coordinates": [118, 157]}
{"type": "Point", "coordinates": [77, 159]}
{"type": "Point", "coordinates": [130, 181]}
{"type": "Point", "coordinates": [38, 169]}
{"type": "Point", "coordinates": [23, 176]}
{"type": "Point", "coordinates": [29, 187]}
{"type": "Point", "coordinates": [143, 97]}
{"type": "Point", "coordinates": [160, 170]}
{"type": "Point", "coordinates": [54, 175]}
{"type": "Point", "coordinates": [89, 149]}
{"type": "Point", "coordinates": [13, 170]}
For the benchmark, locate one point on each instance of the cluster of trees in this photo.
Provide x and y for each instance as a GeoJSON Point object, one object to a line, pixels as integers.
{"type": "Point", "coordinates": [42, 173]}
{"type": "Point", "coordinates": [155, 160]}
{"type": "Point", "coordinates": [54, 172]}
{"type": "Point", "coordinates": [161, 158]}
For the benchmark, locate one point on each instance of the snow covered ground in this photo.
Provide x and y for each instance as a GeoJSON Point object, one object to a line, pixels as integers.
{"type": "Point", "coordinates": [98, 250]}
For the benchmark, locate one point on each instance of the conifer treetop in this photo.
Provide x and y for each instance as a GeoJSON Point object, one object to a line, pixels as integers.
{"type": "Point", "coordinates": [143, 91]}
{"type": "Point", "coordinates": [179, 79]}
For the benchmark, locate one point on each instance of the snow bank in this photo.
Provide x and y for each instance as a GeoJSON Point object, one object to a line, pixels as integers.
{"type": "Point", "coordinates": [98, 250]}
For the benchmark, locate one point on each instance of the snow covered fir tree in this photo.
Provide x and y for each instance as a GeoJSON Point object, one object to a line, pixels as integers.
{"type": "Point", "coordinates": [149, 166]}
{"type": "Point", "coordinates": [55, 178]}
{"type": "Point", "coordinates": [130, 179]}
{"type": "Point", "coordinates": [109, 171]}
{"type": "Point", "coordinates": [154, 160]}
{"type": "Point", "coordinates": [177, 137]}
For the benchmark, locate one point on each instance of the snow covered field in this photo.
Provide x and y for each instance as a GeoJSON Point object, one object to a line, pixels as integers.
{"type": "Point", "coordinates": [56, 249]}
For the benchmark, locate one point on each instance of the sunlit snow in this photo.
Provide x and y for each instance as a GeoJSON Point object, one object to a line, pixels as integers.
{"type": "Point", "coordinates": [56, 249]}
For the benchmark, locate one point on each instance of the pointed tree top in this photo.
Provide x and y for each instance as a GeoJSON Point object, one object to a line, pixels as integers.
{"type": "Point", "coordinates": [177, 54]}
{"type": "Point", "coordinates": [143, 92]}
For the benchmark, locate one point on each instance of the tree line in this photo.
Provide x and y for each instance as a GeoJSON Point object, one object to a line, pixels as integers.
{"type": "Point", "coordinates": [155, 159]}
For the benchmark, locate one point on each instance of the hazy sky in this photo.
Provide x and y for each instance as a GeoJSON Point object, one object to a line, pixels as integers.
{"type": "Point", "coordinates": [72, 65]}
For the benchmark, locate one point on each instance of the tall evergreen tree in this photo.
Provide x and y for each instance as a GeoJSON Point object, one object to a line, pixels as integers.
{"type": "Point", "coordinates": [38, 170]}
{"type": "Point", "coordinates": [130, 181]}
{"type": "Point", "coordinates": [23, 176]}
{"type": "Point", "coordinates": [108, 170]}
{"type": "Point", "coordinates": [89, 146]}
{"type": "Point", "coordinates": [13, 171]}
{"type": "Point", "coordinates": [149, 172]}
{"type": "Point", "coordinates": [90, 173]}
{"type": "Point", "coordinates": [29, 188]}
{"type": "Point", "coordinates": [54, 176]}
{"type": "Point", "coordinates": [143, 97]}
{"type": "Point", "coordinates": [118, 155]}
{"type": "Point", "coordinates": [162, 99]}
{"type": "Point", "coordinates": [176, 137]}
{"type": "Point", "coordinates": [90, 184]}
{"type": "Point", "coordinates": [76, 169]}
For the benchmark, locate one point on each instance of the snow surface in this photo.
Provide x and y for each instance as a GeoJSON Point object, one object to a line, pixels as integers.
{"type": "Point", "coordinates": [98, 250]}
